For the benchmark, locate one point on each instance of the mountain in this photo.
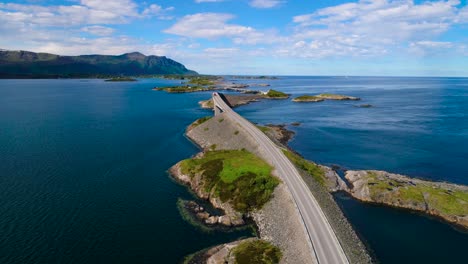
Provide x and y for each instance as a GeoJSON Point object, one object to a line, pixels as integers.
{"type": "Point", "coordinates": [26, 64]}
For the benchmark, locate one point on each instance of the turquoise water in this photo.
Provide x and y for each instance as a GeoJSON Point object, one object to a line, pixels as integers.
{"type": "Point", "coordinates": [83, 173]}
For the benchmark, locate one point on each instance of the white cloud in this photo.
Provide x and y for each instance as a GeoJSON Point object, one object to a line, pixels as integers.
{"type": "Point", "coordinates": [215, 25]}
{"type": "Point", "coordinates": [208, 1]}
{"type": "Point", "coordinates": [98, 30]}
{"type": "Point", "coordinates": [426, 47]}
{"type": "Point", "coordinates": [208, 25]}
{"type": "Point", "coordinates": [158, 11]}
{"type": "Point", "coordinates": [265, 3]}
{"type": "Point", "coordinates": [371, 27]}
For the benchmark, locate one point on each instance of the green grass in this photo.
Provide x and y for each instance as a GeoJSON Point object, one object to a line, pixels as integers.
{"type": "Point", "coordinates": [257, 252]}
{"type": "Point", "coordinates": [276, 94]}
{"type": "Point", "coordinates": [264, 129]}
{"type": "Point", "coordinates": [450, 203]}
{"type": "Point", "coordinates": [221, 120]}
{"type": "Point", "coordinates": [184, 88]}
{"type": "Point", "coordinates": [308, 98]}
{"type": "Point", "coordinates": [200, 121]}
{"type": "Point", "coordinates": [308, 166]}
{"type": "Point", "coordinates": [237, 176]}
{"type": "Point", "coordinates": [236, 132]}
{"type": "Point", "coordinates": [202, 81]}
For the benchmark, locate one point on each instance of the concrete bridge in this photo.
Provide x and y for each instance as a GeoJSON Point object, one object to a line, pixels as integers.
{"type": "Point", "coordinates": [325, 247]}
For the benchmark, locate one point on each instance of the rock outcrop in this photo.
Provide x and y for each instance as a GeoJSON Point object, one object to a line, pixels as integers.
{"type": "Point", "coordinates": [233, 100]}
{"type": "Point", "coordinates": [444, 200]}
{"type": "Point", "coordinates": [230, 218]}
{"type": "Point", "coordinates": [278, 221]}
{"type": "Point", "coordinates": [324, 96]}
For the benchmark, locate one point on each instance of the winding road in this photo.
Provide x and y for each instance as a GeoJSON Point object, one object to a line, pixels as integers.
{"type": "Point", "coordinates": [325, 244]}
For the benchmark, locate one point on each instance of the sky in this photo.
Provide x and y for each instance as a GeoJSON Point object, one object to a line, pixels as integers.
{"type": "Point", "coordinates": [268, 37]}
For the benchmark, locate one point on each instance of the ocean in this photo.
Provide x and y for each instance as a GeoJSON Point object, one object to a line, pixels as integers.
{"type": "Point", "coordinates": [83, 171]}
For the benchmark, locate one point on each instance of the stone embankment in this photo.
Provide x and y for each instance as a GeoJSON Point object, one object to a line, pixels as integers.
{"type": "Point", "coordinates": [278, 220]}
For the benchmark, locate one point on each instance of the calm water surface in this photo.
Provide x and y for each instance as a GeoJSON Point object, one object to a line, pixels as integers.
{"type": "Point", "coordinates": [83, 172]}
{"type": "Point", "coordinates": [418, 127]}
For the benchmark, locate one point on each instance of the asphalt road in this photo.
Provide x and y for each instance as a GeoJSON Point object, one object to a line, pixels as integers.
{"type": "Point", "coordinates": [326, 246]}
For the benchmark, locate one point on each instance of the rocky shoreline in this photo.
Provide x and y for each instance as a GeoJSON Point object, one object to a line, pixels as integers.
{"type": "Point", "coordinates": [447, 201]}
{"type": "Point", "coordinates": [323, 97]}
{"type": "Point", "coordinates": [277, 221]}
{"type": "Point", "coordinates": [230, 218]}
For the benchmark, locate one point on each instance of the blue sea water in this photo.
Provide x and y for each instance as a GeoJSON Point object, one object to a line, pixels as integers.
{"type": "Point", "coordinates": [83, 173]}
{"type": "Point", "coordinates": [83, 163]}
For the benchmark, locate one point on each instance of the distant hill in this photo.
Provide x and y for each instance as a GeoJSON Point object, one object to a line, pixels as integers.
{"type": "Point", "coordinates": [26, 64]}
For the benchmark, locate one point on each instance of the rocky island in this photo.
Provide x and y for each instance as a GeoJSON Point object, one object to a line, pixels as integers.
{"type": "Point", "coordinates": [238, 100]}
{"type": "Point", "coordinates": [444, 200]}
{"type": "Point", "coordinates": [324, 96]}
{"type": "Point", "coordinates": [224, 173]}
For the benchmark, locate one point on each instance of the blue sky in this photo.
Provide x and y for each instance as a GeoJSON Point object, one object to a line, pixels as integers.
{"type": "Point", "coordinates": [278, 37]}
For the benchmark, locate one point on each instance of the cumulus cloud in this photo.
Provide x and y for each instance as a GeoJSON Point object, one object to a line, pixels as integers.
{"type": "Point", "coordinates": [98, 30]}
{"type": "Point", "coordinates": [371, 27]}
{"type": "Point", "coordinates": [216, 25]}
{"type": "Point", "coordinates": [265, 3]}
{"type": "Point", "coordinates": [207, 25]}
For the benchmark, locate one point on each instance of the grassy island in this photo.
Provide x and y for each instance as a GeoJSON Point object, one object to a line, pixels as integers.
{"type": "Point", "coordinates": [235, 176]}
{"type": "Point", "coordinates": [324, 96]}
{"type": "Point", "coordinates": [183, 89]}
{"type": "Point", "coordinates": [276, 94]}
{"type": "Point", "coordinates": [257, 252]}
{"type": "Point", "coordinates": [194, 84]}
{"type": "Point", "coordinates": [121, 79]}
{"type": "Point", "coordinates": [308, 98]}
{"type": "Point", "coordinates": [448, 201]}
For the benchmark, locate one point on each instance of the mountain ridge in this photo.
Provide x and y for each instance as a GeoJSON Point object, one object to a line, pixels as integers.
{"type": "Point", "coordinates": [27, 64]}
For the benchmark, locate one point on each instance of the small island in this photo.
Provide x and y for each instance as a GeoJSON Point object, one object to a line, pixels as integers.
{"type": "Point", "coordinates": [324, 96]}
{"type": "Point", "coordinates": [194, 84]}
{"type": "Point", "coordinates": [274, 94]}
{"type": "Point", "coordinates": [444, 200]}
{"type": "Point", "coordinates": [121, 79]}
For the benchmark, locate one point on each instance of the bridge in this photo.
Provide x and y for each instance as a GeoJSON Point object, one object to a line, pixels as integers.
{"type": "Point", "coordinates": [326, 248]}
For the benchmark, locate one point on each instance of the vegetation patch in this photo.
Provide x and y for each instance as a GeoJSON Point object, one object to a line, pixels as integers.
{"type": "Point", "coordinates": [201, 81]}
{"type": "Point", "coordinates": [199, 122]}
{"type": "Point", "coordinates": [276, 94]}
{"type": "Point", "coordinates": [446, 201]}
{"type": "Point", "coordinates": [183, 89]}
{"type": "Point", "coordinates": [308, 98]}
{"type": "Point", "coordinates": [237, 176]}
{"type": "Point", "coordinates": [308, 166]}
{"type": "Point", "coordinates": [257, 252]}
{"type": "Point", "coordinates": [121, 79]}
{"type": "Point", "coordinates": [264, 129]}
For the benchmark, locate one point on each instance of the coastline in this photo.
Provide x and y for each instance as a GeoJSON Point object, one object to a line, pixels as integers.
{"type": "Point", "coordinates": [271, 219]}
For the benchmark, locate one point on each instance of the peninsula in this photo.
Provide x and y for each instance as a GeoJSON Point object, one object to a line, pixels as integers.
{"type": "Point", "coordinates": [26, 64]}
